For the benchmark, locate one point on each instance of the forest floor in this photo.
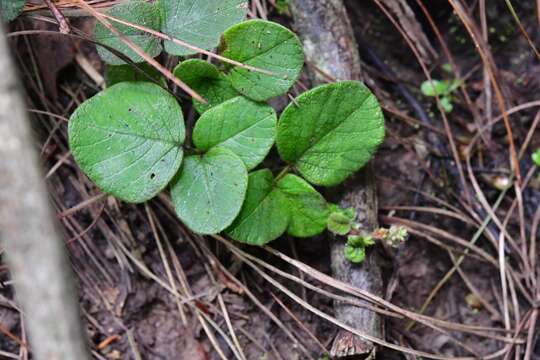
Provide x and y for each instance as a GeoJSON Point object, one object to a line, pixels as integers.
{"type": "Point", "coordinates": [441, 182]}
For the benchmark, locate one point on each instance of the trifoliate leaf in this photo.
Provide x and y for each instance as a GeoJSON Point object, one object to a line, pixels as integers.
{"type": "Point", "coordinates": [268, 46]}
{"type": "Point", "coordinates": [128, 139]}
{"type": "Point", "coordinates": [245, 127]}
{"type": "Point", "coordinates": [330, 132]}
{"type": "Point", "coordinates": [209, 190]}
{"type": "Point", "coordinates": [309, 209]}
{"type": "Point", "coordinates": [265, 213]}
{"type": "Point", "coordinates": [10, 9]}
{"type": "Point", "coordinates": [355, 254]}
{"type": "Point", "coordinates": [536, 157]}
{"type": "Point", "coordinates": [340, 221]}
{"type": "Point", "coordinates": [138, 12]}
{"type": "Point", "coordinates": [115, 74]}
{"type": "Point", "coordinates": [199, 22]}
{"type": "Point", "coordinates": [207, 81]}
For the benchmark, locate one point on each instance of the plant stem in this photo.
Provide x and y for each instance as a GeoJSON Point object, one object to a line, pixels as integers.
{"type": "Point", "coordinates": [283, 172]}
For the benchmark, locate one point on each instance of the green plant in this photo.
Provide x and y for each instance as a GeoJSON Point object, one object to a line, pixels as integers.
{"type": "Point", "coordinates": [536, 159]}
{"type": "Point", "coordinates": [130, 138]}
{"type": "Point", "coordinates": [443, 89]}
{"type": "Point", "coordinates": [10, 9]}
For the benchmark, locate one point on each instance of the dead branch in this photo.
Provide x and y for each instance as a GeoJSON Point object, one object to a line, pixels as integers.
{"type": "Point", "coordinates": [34, 249]}
{"type": "Point", "coordinates": [331, 50]}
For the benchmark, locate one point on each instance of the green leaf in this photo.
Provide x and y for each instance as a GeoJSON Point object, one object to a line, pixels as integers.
{"type": "Point", "coordinates": [115, 74]}
{"type": "Point", "coordinates": [128, 139]}
{"type": "Point", "coordinates": [268, 46]}
{"type": "Point", "coordinates": [245, 127]}
{"type": "Point", "coordinates": [339, 224]}
{"type": "Point", "coordinates": [446, 104]}
{"type": "Point", "coordinates": [10, 9]}
{"type": "Point", "coordinates": [330, 132]}
{"type": "Point", "coordinates": [209, 190]}
{"type": "Point", "coordinates": [536, 157]}
{"type": "Point", "coordinates": [309, 209]}
{"type": "Point", "coordinates": [207, 81]}
{"type": "Point", "coordinates": [435, 88]}
{"type": "Point", "coordinates": [199, 22]}
{"type": "Point", "coordinates": [139, 12]}
{"type": "Point", "coordinates": [355, 254]}
{"type": "Point", "coordinates": [265, 214]}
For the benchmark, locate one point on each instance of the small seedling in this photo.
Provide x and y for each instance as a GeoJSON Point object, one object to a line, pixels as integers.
{"type": "Point", "coordinates": [130, 138]}
{"type": "Point", "coordinates": [536, 159]}
{"type": "Point", "coordinates": [443, 89]}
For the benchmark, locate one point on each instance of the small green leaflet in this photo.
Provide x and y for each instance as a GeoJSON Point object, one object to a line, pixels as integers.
{"type": "Point", "coordinates": [536, 157]}
{"type": "Point", "coordinates": [268, 46]}
{"type": "Point", "coordinates": [209, 190]}
{"type": "Point", "coordinates": [309, 209]}
{"type": "Point", "coordinates": [115, 74]}
{"type": "Point", "coordinates": [330, 132]}
{"type": "Point", "coordinates": [139, 12]}
{"type": "Point", "coordinates": [245, 127]}
{"type": "Point", "coordinates": [10, 9]}
{"type": "Point", "coordinates": [199, 22]}
{"type": "Point", "coordinates": [273, 207]}
{"type": "Point", "coordinates": [439, 87]}
{"type": "Point", "coordinates": [355, 248]}
{"type": "Point", "coordinates": [264, 215]}
{"type": "Point", "coordinates": [341, 221]}
{"type": "Point", "coordinates": [128, 139]}
{"type": "Point", "coordinates": [207, 81]}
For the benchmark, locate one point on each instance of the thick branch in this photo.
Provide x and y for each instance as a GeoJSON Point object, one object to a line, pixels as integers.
{"type": "Point", "coordinates": [34, 249]}
{"type": "Point", "coordinates": [331, 49]}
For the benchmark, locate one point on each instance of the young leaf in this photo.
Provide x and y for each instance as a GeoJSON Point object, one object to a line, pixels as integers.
{"type": "Point", "coordinates": [209, 190]}
{"type": "Point", "coordinates": [446, 104]}
{"type": "Point", "coordinates": [245, 127]}
{"type": "Point", "coordinates": [128, 139]}
{"type": "Point", "coordinates": [199, 22]}
{"type": "Point", "coordinates": [341, 220]}
{"type": "Point", "coordinates": [330, 132]}
{"type": "Point", "coordinates": [536, 157]}
{"type": "Point", "coordinates": [355, 254]}
{"type": "Point", "coordinates": [10, 9]}
{"type": "Point", "coordinates": [309, 209]}
{"type": "Point", "coordinates": [435, 87]}
{"type": "Point", "coordinates": [115, 74]}
{"type": "Point", "coordinates": [207, 81]}
{"type": "Point", "coordinates": [264, 45]}
{"type": "Point", "coordinates": [139, 12]}
{"type": "Point", "coordinates": [265, 213]}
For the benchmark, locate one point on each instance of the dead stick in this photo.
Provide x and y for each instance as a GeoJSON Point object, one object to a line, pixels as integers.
{"type": "Point", "coordinates": [35, 251]}
{"type": "Point", "coordinates": [62, 21]}
{"type": "Point", "coordinates": [330, 48]}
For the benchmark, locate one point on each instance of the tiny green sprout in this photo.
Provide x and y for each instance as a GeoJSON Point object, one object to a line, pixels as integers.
{"type": "Point", "coordinates": [443, 89]}
{"type": "Point", "coordinates": [341, 221]}
{"type": "Point", "coordinates": [536, 157]}
{"type": "Point", "coordinates": [355, 248]}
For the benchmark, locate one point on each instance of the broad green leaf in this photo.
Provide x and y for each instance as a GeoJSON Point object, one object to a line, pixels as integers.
{"type": "Point", "coordinates": [209, 190]}
{"type": "Point", "coordinates": [10, 9]}
{"type": "Point", "coordinates": [265, 213]}
{"type": "Point", "coordinates": [199, 22]}
{"type": "Point", "coordinates": [309, 209]}
{"type": "Point", "coordinates": [128, 139]}
{"type": "Point", "coordinates": [330, 132]}
{"type": "Point", "coordinates": [435, 87]}
{"type": "Point", "coordinates": [245, 127]}
{"type": "Point", "coordinates": [268, 46]}
{"type": "Point", "coordinates": [115, 74]}
{"type": "Point", "coordinates": [207, 81]}
{"type": "Point", "coordinates": [139, 12]}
